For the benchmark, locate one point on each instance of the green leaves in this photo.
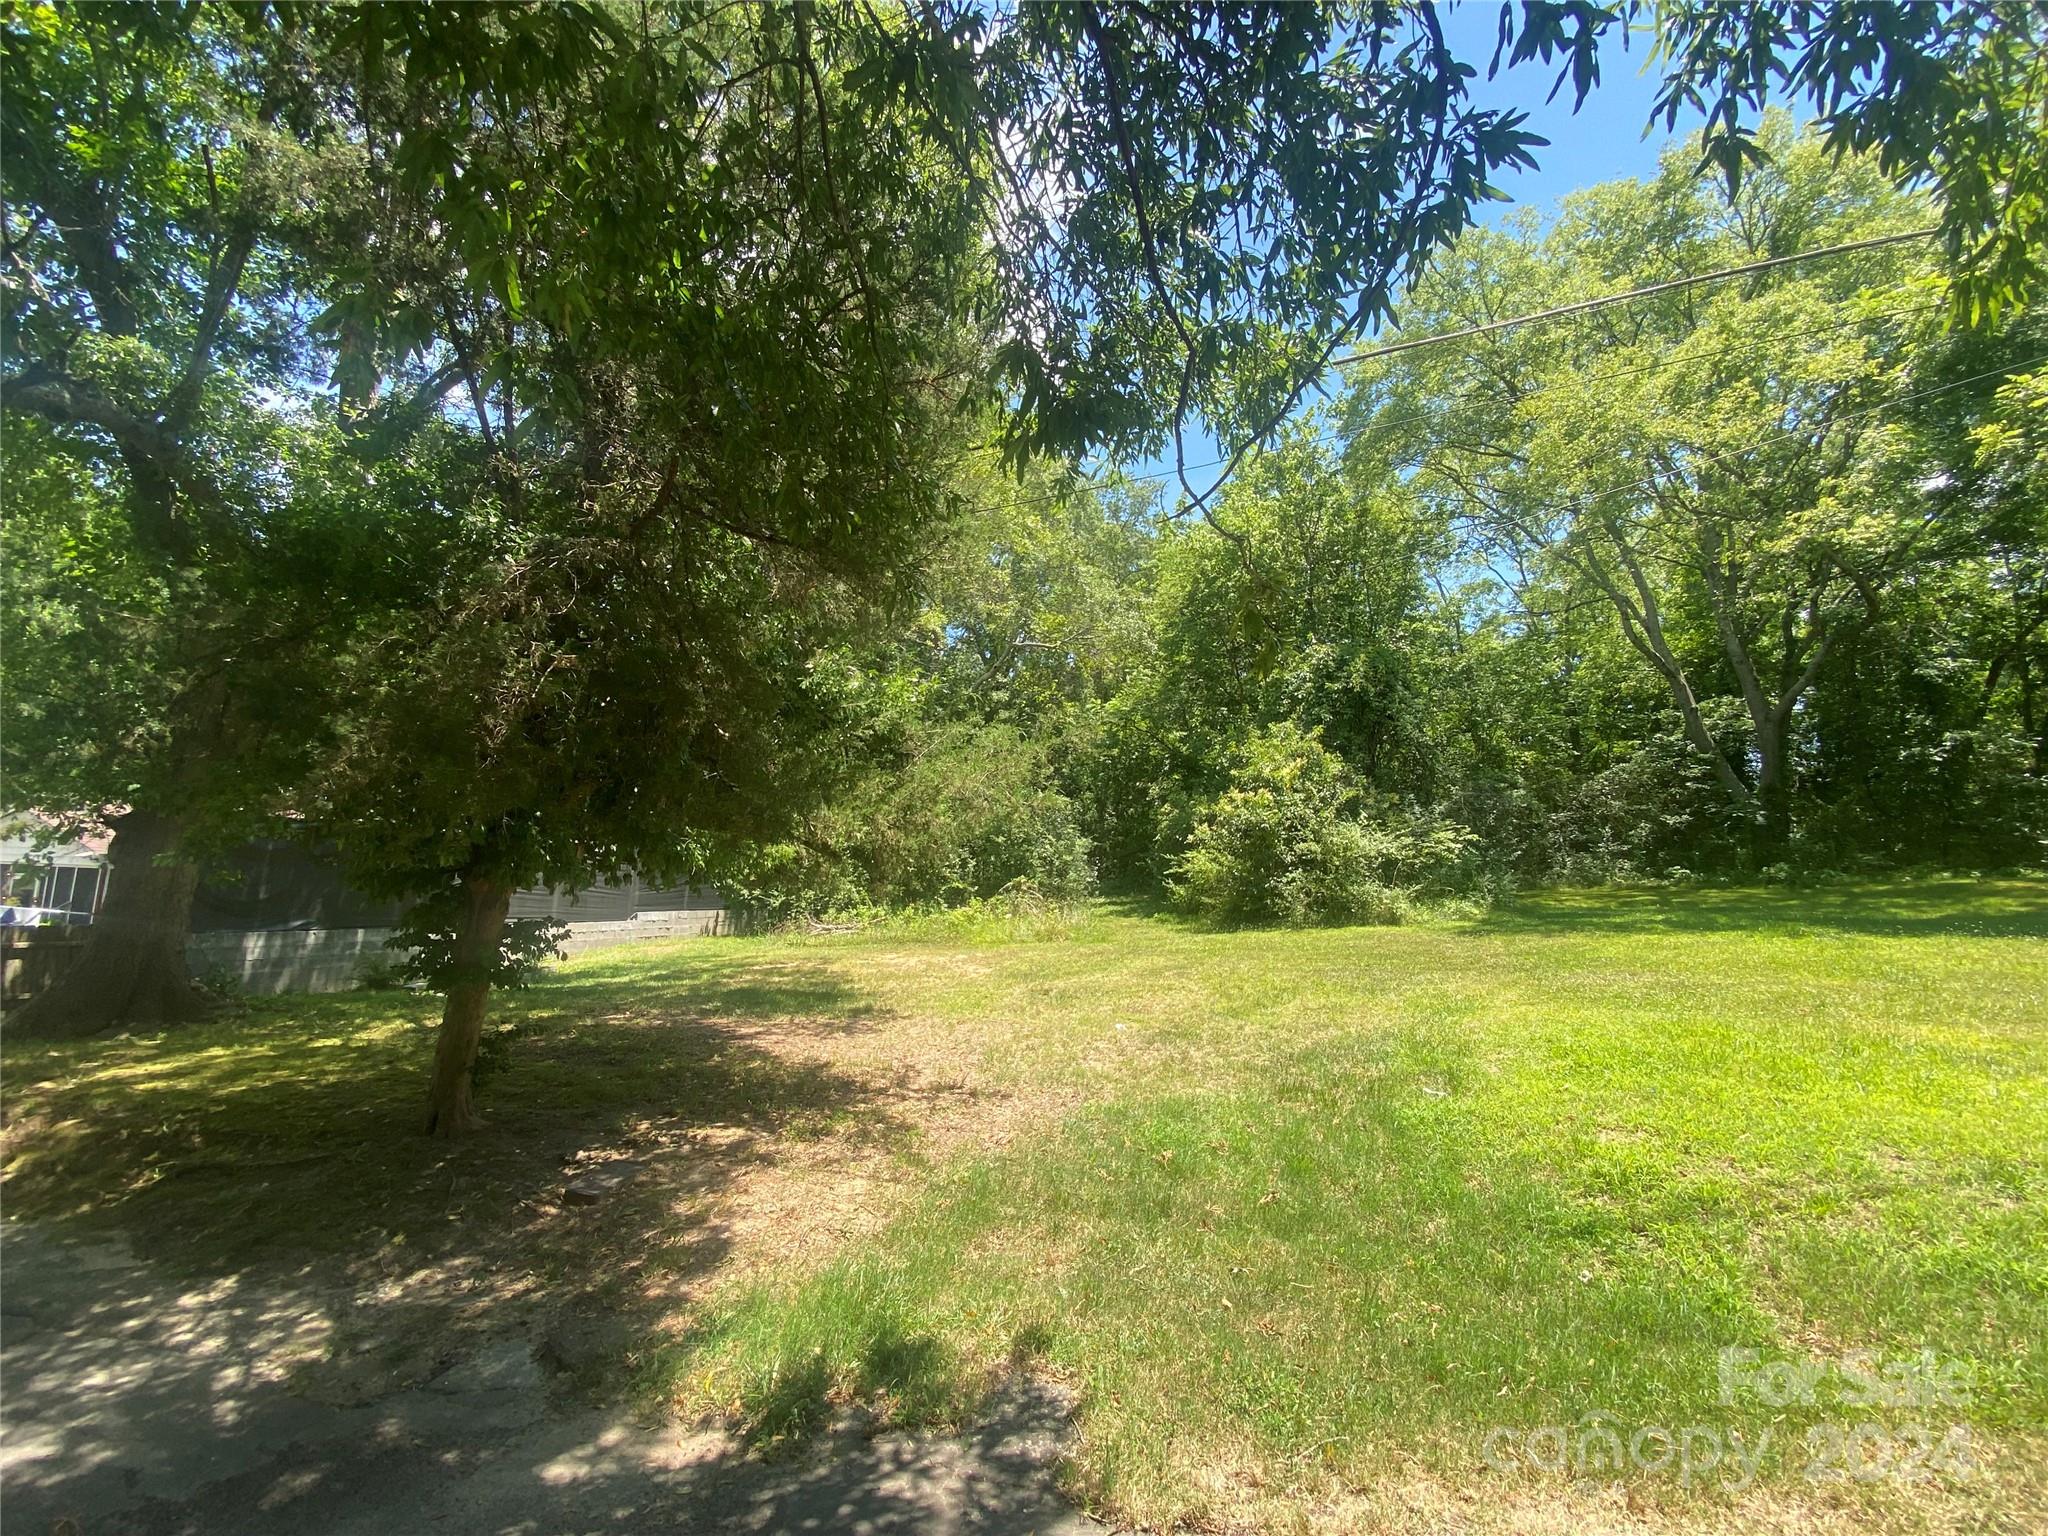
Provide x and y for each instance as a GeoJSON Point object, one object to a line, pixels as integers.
{"type": "Point", "coordinates": [1943, 93]}
{"type": "Point", "coordinates": [1734, 476]}
{"type": "Point", "coordinates": [1198, 205]}
{"type": "Point", "coordinates": [1292, 838]}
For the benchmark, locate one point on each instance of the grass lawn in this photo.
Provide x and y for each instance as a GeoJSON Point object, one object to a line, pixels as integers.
{"type": "Point", "coordinates": [1299, 1216]}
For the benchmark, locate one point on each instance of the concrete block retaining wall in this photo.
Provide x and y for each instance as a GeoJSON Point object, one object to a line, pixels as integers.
{"type": "Point", "coordinates": [289, 959]}
{"type": "Point", "coordinates": [334, 959]}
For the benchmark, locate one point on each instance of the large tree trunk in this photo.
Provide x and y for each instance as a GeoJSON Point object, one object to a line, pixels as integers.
{"type": "Point", "coordinates": [450, 1107]}
{"type": "Point", "coordinates": [1772, 838]}
{"type": "Point", "coordinates": [1774, 825]}
{"type": "Point", "coordinates": [131, 970]}
{"type": "Point", "coordinates": [1642, 625]}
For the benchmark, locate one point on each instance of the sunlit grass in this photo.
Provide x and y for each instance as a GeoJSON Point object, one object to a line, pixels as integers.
{"type": "Point", "coordinates": [1343, 1200]}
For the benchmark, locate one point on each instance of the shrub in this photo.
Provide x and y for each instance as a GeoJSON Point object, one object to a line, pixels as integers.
{"type": "Point", "coordinates": [1020, 913]}
{"type": "Point", "coordinates": [970, 812]}
{"type": "Point", "coordinates": [1292, 840]}
{"type": "Point", "coordinates": [380, 975]}
{"type": "Point", "coordinates": [1654, 810]}
{"type": "Point", "coordinates": [974, 814]}
{"type": "Point", "coordinates": [1966, 799]}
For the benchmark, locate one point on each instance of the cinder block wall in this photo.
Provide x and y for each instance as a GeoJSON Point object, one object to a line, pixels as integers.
{"type": "Point", "coordinates": [291, 959]}
{"type": "Point", "coordinates": [334, 959]}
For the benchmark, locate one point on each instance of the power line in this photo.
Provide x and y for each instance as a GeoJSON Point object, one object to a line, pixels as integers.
{"type": "Point", "coordinates": [1578, 381]}
{"type": "Point", "coordinates": [1245, 449]}
{"type": "Point", "coordinates": [1580, 505]}
{"type": "Point", "coordinates": [1670, 286]}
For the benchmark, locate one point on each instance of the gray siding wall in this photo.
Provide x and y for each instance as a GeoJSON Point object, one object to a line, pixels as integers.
{"type": "Point", "coordinates": [605, 903]}
{"type": "Point", "coordinates": [598, 904]}
{"type": "Point", "coordinates": [679, 898]}
{"type": "Point", "coordinates": [264, 886]}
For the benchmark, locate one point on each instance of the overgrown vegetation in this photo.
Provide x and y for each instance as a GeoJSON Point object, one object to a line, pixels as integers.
{"type": "Point", "coordinates": [533, 442]}
{"type": "Point", "coordinates": [540, 442]}
{"type": "Point", "coordinates": [1289, 840]}
{"type": "Point", "coordinates": [1748, 582]}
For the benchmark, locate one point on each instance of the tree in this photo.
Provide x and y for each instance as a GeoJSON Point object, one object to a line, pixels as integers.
{"type": "Point", "coordinates": [1030, 610]}
{"type": "Point", "coordinates": [1946, 95]}
{"type": "Point", "coordinates": [1984, 419]}
{"type": "Point", "coordinates": [159, 164]}
{"type": "Point", "coordinates": [1723, 469]}
{"type": "Point", "coordinates": [1951, 94]}
{"type": "Point", "coordinates": [1926, 733]}
{"type": "Point", "coordinates": [713, 290]}
{"type": "Point", "coordinates": [1310, 603]}
{"type": "Point", "coordinates": [680, 310]}
{"type": "Point", "coordinates": [174, 701]}
{"type": "Point", "coordinates": [971, 719]}
{"type": "Point", "coordinates": [194, 181]}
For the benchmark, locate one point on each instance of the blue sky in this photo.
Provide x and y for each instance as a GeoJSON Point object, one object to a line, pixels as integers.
{"type": "Point", "coordinates": [1603, 140]}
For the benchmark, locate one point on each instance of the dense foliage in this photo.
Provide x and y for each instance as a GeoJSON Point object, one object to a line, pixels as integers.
{"type": "Point", "coordinates": [1293, 839]}
{"type": "Point", "coordinates": [1745, 580]}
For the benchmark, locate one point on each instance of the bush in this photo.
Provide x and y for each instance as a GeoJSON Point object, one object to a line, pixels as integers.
{"type": "Point", "coordinates": [1018, 914]}
{"type": "Point", "coordinates": [974, 812]}
{"type": "Point", "coordinates": [381, 975]}
{"type": "Point", "coordinates": [969, 813]}
{"type": "Point", "coordinates": [1291, 840]}
{"type": "Point", "coordinates": [1656, 810]}
{"type": "Point", "coordinates": [1962, 799]}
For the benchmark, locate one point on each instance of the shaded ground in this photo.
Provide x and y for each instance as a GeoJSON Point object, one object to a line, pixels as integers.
{"type": "Point", "coordinates": [134, 1408]}
{"type": "Point", "coordinates": [773, 1110]}
{"type": "Point", "coordinates": [1907, 908]}
{"type": "Point", "coordinates": [256, 1299]}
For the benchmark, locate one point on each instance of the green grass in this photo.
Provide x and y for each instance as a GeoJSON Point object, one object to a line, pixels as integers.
{"type": "Point", "coordinates": [1304, 1209]}
{"type": "Point", "coordinates": [1340, 1200]}
{"type": "Point", "coordinates": [287, 1132]}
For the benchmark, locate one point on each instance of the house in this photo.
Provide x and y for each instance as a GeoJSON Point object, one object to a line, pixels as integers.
{"type": "Point", "coordinates": [274, 916]}
{"type": "Point", "coordinates": [44, 881]}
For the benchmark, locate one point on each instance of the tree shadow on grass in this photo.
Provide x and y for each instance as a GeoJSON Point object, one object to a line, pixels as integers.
{"type": "Point", "coordinates": [913, 1369]}
{"type": "Point", "coordinates": [707, 981]}
{"type": "Point", "coordinates": [131, 1407]}
{"type": "Point", "coordinates": [282, 1146]}
{"type": "Point", "coordinates": [1946, 908]}
{"type": "Point", "coordinates": [256, 1295]}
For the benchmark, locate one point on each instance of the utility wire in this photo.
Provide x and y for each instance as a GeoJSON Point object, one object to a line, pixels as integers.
{"type": "Point", "coordinates": [1649, 481]}
{"type": "Point", "coordinates": [1671, 286]}
{"type": "Point", "coordinates": [1676, 356]}
{"type": "Point", "coordinates": [1582, 505]}
{"type": "Point", "coordinates": [1244, 450]}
